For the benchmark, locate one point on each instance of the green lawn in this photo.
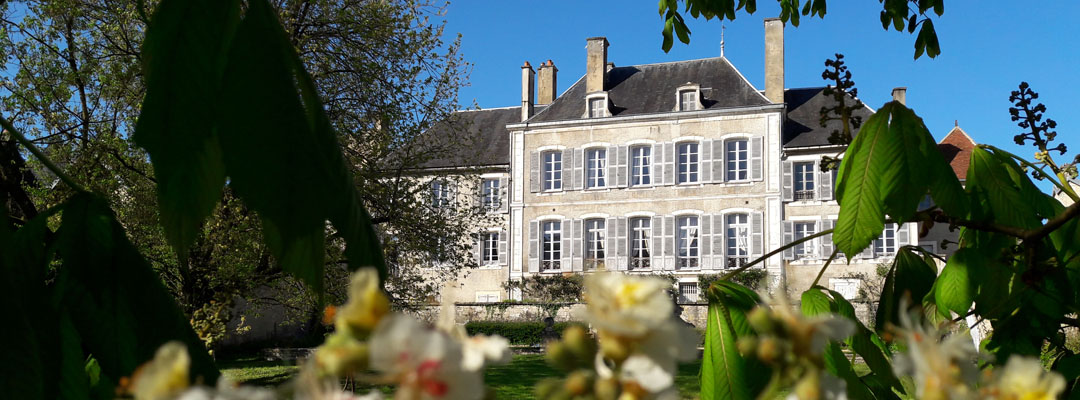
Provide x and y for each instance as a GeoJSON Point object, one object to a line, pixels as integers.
{"type": "Point", "coordinates": [511, 381]}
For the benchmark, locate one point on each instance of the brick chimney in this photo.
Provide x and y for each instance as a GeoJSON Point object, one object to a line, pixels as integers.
{"type": "Point", "coordinates": [596, 64]}
{"type": "Point", "coordinates": [900, 94]}
{"type": "Point", "coordinates": [548, 83]}
{"type": "Point", "coordinates": [526, 91]}
{"type": "Point", "coordinates": [774, 60]}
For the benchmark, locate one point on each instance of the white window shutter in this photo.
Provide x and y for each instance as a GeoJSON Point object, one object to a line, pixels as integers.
{"type": "Point", "coordinates": [577, 174]}
{"type": "Point", "coordinates": [826, 241]}
{"type": "Point", "coordinates": [477, 249]}
{"type": "Point", "coordinates": [621, 174]}
{"type": "Point", "coordinates": [534, 171]}
{"type": "Point", "coordinates": [503, 255]}
{"type": "Point", "coordinates": [656, 243]}
{"type": "Point", "coordinates": [669, 243]}
{"type": "Point", "coordinates": [757, 235]}
{"type": "Point", "coordinates": [787, 191]}
{"type": "Point", "coordinates": [576, 254]}
{"type": "Point", "coordinates": [824, 184]}
{"type": "Point", "coordinates": [567, 167]}
{"type": "Point", "coordinates": [611, 166]}
{"type": "Point", "coordinates": [656, 161]}
{"type": "Point", "coordinates": [504, 198]}
{"type": "Point", "coordinates": [534, 246]}
{"type": "Point", "coordinates": [705, 242]}
{"type": "Point", "coordinates": [706, 158]}
{"type": "Point", "coordinates": [567, 243]}
{"type": "Point", "coordinates": [610, 241]}
{"type": "Point", "coordinates": [669, 163]}
{"type": "Point", "coordinates": [789, 236]}
{"type": "Point", "coordinates": [719, 166]}
{"type": "Point", "coordinates": [757, 149]}
{"type": "Point", "coordinates": [719, 244]}
{"type": "Point", "coordinates": [620, 245]}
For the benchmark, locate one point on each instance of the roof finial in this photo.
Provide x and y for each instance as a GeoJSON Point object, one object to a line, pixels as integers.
{"type": "Point", "coordinates": [956, 123]}
{"type": "Point", "coordinates": [722, 28]}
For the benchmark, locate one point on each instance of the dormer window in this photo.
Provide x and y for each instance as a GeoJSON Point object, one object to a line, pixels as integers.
{"type": "Point", "coordinates": [598, 105]}
{"type": "Point", "coordinates": [687, 97]}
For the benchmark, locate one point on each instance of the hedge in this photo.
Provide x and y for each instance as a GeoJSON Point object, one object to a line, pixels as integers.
{"type": "Point", "coordinates": [518, 333]}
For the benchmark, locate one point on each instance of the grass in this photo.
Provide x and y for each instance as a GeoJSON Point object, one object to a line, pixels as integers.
{"type": "Point", "coordinates": [511, 381]}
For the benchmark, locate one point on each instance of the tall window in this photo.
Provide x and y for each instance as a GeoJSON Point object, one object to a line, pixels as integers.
{"type": "Point", "coordinates": [640, 228]}
{"type": "Point", "coordinates": [440, 193]}
{"type": "Point", "coordinates": [594, 244]}
{"type": "Point", "coordinates": [737, 156]}
{"type": "Point", "coordinates": [885, 245]}
{"type": "Point", "coordinates": [552, 170]}
{"type": "Point", "coordinates": [640, 162]}
{"type": "Point", "coordinates": [489, 196]}
{"type": "Point", "coordinates": [551, 246]}
{"type": "Point", "coordinates": [596, 164]}
{"type": "Point", "coordinates": [804, 180]}
{"type": "Point", "coordinates": [802, 230]}
{"type": "Point", "coordinates": [489, 248]}
{"type": "Point", "coordinates": [688, 242]}
{"type": "Point", "coordinates": [688, 162]}
{"type": "Point", "coordinates": [596, 107]}
{"type": "Point", "coordinates": [688, 100]}
{"type": "Point", "coordinates": [738, 239]}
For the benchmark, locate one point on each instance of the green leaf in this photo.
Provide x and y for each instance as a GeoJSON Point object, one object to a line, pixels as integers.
{"type": "Point", "coordinates": [955, 288]}
{"type": "Point", "coordinates": [909, 279]}
{"type": "Point", "coordinates": [115, 299]}
{"type": "Point", "coordinates": [183, 56]}
{"type": "Point", "coordinates": [992, 178]}
{"type": "Point", "coordinates": [862, 217]}
{"type": "Point", "coordinates": [726, 374]}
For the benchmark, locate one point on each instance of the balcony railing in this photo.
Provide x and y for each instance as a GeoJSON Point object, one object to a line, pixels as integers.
{"type": "Point", "coordinates": [804, 195]}
{"type": "Point", "coordinates": [639, 264]}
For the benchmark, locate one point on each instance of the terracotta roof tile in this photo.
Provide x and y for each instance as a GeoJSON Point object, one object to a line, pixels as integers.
{"type": "Point", "coordinates": [957, 147]}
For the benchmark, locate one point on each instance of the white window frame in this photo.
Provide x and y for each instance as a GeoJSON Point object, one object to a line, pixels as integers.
{"type": "Point", "coordinates": [640, 249]}
{"type": "Point", "coordinates": [596, 162]}
{"type": "Point", "coordinates": [737, 160]}
{"type": "Point", "coordinates": [691, 160]}
{"type": "Point", "coordinates": [490, 194]}
{"type": "Point", "coordinates": [803, 182]}
{"type": "Point", "coordinates": [688, 250]}
{"type": "Point", "coordinates": [440, 193]}
{"type": "Point", "coordinates": [802, 229]}
{"type": "Point", "coordinates": [688, 100]}
{"type": "Point", "coordinates": [737, 234]}
{"type": "Point", "coordinates": [489, 248]}
{"type": "Point", "coordinates": [596, 105]}
{"type": "Point", "coordinates": [551, 251]}
{"type": "Point", "coordinates": [595, 234]}
{"type": "Point", "coordinates": [882, 246]}
{"type": "Point", "coordinates": [551, 174]}
{"type": "Point", "coordinates": [640, 165]}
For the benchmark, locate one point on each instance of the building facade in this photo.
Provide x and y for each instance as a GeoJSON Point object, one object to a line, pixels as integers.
{"type": "Point", "coordinates": [680, 168]}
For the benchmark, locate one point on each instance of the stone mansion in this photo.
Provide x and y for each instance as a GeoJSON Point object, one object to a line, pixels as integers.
{"type": "Point", "coordinates": [681, 168]}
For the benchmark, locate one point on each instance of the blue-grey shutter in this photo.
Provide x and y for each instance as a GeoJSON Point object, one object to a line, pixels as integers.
{"type": "Point", "coordinates": [705, 234]}
{"type": "Point", "coordinates": [567, 168]}
{"type": "Point", "coordinates": [504, 198]}
{"type": "Point", "coordinates": [620, 245]}
{"type": "Point", "coordinates": [621, 175]}
{"type": "Point", "coordinates": [719, 165]}
{"type": "Point", "coordinates": [787, 190]}
{"type": "Point", "coordinates": [534, 246]}
{"type": "Point", "coordinates": [719, 248]}
{"type": "Point", "coordinates": [656, 159]}
{"type": "Point", "coordinates": [611, 165]}
{"type": "Point", "coordinates": [567, 243]}
{"type": "Point", "coordinates": [757, 235]}
{"type": "Point", "coordinates": [706, 158]}
{"type": "Point", "coordinates": [656, 243]}
{"type": "Point", "coordinates": [578, 172]}
{"type": "Point", "coordinates": [824, 184]}
{"type": "Point", "coordinates": [724, 223]}
{"type": "Point", "coordinates": [757, 149]}
{"type": "Point", "coordinates": [669, 243]}
{"type": "Point", "coordinates": [534, 171]}
{"type": "Point", "coordinates": [503, 256]}
{"type": "Point", "coordinates": [669, 163]}
{"type": "Point", "coordinates": [576, 252]}
{"type": "Point", "coordinates": [789, 236]}
{"type": "Point", "coordinates": [826, 241]}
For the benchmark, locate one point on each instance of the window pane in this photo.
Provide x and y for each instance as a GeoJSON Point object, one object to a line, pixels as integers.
{"type": "Point", "coordinates": [596, 165]}
{"type": "Point", "coordinates": [640, 228]}
{"type": "Point", "coordinates": [552, 170]}
{"type": "Point", "coordinates": [687, 255]}
{"type": "Point", "coordinates": [738, 236]}
{"type": "Point", "coordinates": [804, 180]}
{"type": "Point", "coordinates": [802, 230]}
{"type": "Point", "coordinates": [688, 162]}
{"type": "Point", "coordinates": [736, 159]}
{"type": "Point", "coordinates": [640, 164]}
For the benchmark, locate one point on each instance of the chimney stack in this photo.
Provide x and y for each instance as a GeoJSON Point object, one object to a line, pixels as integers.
{"type": "Point", "coordinates": [526, 91]}
{"type": "Point", "coordinates": [900, 94]}
{"type": "Point", "coordinates": [596, 64]}
{"type": "Point", "coordinates": [774, 60]}
{"type": "Point", "coordinates": [548, 83]}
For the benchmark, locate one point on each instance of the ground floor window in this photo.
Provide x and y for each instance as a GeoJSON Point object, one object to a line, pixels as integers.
{"type": "Point", "coordinates": [551, 246]}
{"type": "Point", "coordinates": [688, 292]}
{"type": "Point", "coordinates": [640, 228]}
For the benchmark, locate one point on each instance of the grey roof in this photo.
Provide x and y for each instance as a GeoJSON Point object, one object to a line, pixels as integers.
{"type": "Point", "coordinates": [803, 126]}
{"type": "Point", "coordinates": [650, 88]}
{"type": "Point", "coordinates": [484, 140]}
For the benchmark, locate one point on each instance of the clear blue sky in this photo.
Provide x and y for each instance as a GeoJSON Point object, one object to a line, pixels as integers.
{"type": "Point", "coordinates": [987, 49]}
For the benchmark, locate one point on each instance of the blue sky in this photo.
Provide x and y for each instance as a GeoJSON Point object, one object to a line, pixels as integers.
{"type": "Point", "coordinates": [987, 49]}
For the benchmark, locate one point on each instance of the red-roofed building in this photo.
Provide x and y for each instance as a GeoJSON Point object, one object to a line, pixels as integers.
{"type": "Point", "coordinates": [957, 147]}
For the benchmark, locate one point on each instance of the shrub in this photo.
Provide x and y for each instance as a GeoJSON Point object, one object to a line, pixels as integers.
{"type": "Point", "coordinates": [518, 333]}
{"type": "Point", "coordinates": [752, 278]}
{"type": "Point", "coordinates": [548, 289]}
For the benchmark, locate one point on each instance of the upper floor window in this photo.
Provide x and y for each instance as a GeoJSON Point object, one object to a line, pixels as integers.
{"type": "Point", "coordinates": [489, 248]}
{"type": "Point", "coordinates": [552, 172]}
{"type": "Point", "coordinates": [688, 162]}
{"type": "Point", "coordinates": [640, 163]}
{"type": "Point", "coordinates": [688, 100]}
{"type": "Point", "coordinates": [885, 245]}
{"type": "Point", "coordinates": [551, 246]}
{"type": "Point", "coordinates": [687, 256]}
{"type": "Point", "coordinates": [489, 194]}
{"type": "Point", "coordinates": [597, 107]}
{"type": "Point", "coordinates": [440, 193]}
{"type": "Point", "coordinates": [804, 180]}
{"type": "Point", "coordinates": [737, 159]}
{"type": "Point", "coordinates": [595, 165]}
{"type": "Point", "coordinates": [738, 239]}
{"type": "Point", "coordinates": [640, 229]}
{"type": "Point", "coordinates": [594, 244]}
{"type": "Point", "coordinates": [802, 230]}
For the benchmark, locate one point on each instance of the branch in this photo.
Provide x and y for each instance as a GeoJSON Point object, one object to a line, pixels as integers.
{"type": "Point", "coordinates": [41, 156]}
{"type": "Point", "coordinates": [821, 273]}
{"type": "Point", "coordinates": [1064, 188]}
{"type": "Point", "coordinates": [1070, 213]}
{"type": "Point", "coordinates": [747, 266]}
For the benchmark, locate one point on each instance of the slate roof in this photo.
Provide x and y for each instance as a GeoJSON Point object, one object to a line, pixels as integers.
{"type": "Point", "coordinates": [803, 126]}
{"type": "Point", "coordinates": [486, 142]}
{"type": "Point", "coordinates": [650, 88]}
{"type": "Point", "coordinates": [957, 147]}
